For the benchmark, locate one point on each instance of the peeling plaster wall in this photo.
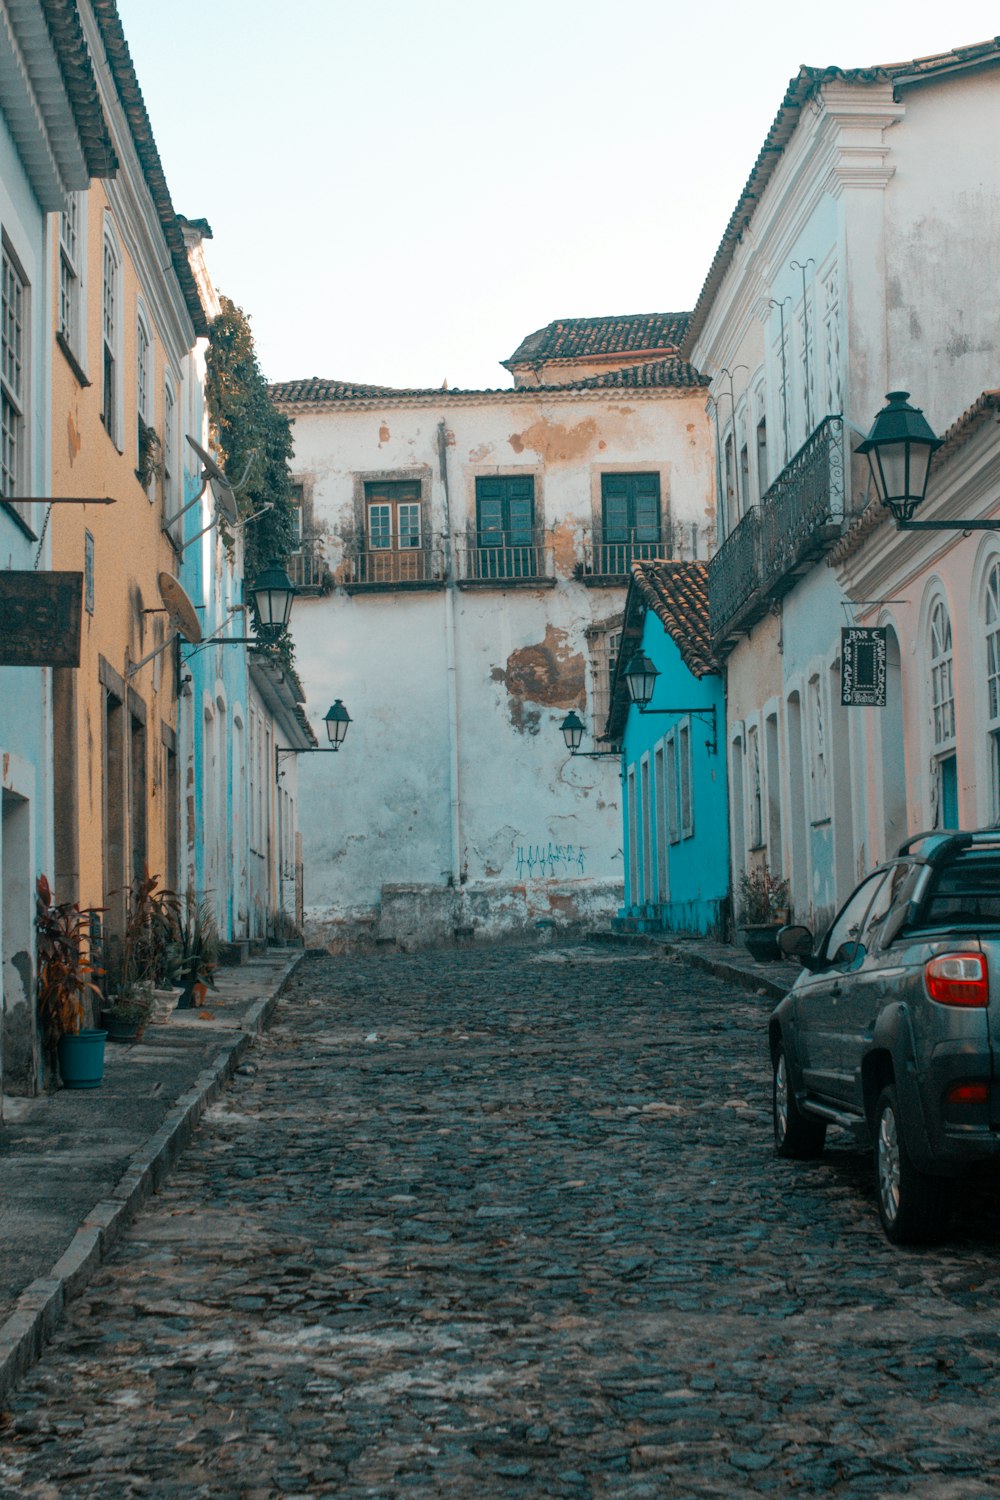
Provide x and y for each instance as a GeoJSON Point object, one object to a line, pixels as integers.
{"type": "Point", "coordinates": [539, 833]}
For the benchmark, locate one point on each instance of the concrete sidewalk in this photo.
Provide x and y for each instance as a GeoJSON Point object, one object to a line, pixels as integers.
{"type": "Point", "coordinates": [76, 1165]}
{"type": "Point", "coordinates": [724, 960]}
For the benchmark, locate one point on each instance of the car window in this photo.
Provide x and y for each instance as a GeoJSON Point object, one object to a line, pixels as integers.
{"type": "Point", "coordinates": [849, 922]}
{"type": "Point", "coordinates": [964, 892]}
{"type": "Point", "coordinates": [885, 899]}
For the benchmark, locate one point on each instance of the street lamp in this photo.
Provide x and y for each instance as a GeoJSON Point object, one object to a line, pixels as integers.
{"type": "Point", "coordinates": [336, 720]}
{"type": "Point", "coordinates": [272, 594]}
{"type": "Point", "coordinates": [640, 679]}
{"type": "Point", "coordinates": [899, 449]}
{"type": "Point", "coordinates": [572, 732]}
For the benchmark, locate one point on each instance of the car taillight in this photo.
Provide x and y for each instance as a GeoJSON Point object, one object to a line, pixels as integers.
{"type": "Point", "coordinates": [968, 1093]}
{"type": "Point", "coordinates": [957, 979]}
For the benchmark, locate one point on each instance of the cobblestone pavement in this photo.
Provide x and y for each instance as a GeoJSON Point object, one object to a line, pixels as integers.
{"type": "Point", "coordinates": [506, 1222]}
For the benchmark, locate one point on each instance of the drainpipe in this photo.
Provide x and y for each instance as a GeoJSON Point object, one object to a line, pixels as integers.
{"type": "Point", "coordinates": [450, 667]}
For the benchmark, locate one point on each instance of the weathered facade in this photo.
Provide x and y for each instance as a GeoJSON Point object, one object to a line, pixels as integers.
{"type": "Point", "coordinates": [53, 140]}
{"type": "Point", "coordinates": [853, 265]}
{"type": "Point", "coordinates": [465, 555]}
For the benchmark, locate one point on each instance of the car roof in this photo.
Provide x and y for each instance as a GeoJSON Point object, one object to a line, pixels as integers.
{"type": "Point", "coordinates": [940, 844]}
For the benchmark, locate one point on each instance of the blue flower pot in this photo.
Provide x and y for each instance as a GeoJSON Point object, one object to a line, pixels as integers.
{"type": "Point", "coordinates": [81, 1059]}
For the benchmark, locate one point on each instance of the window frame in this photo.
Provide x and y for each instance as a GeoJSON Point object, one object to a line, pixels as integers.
{"type": "Point", "coordinates": [15, 458]}
{"type": "Point", "coordinates": [71, 331]}
{"type": "Point", "coordinates": [168, 450]}
{"type": "Point", "coordinates": [685, 778]}
{"type": "Point", "coordinates": [112, 416]}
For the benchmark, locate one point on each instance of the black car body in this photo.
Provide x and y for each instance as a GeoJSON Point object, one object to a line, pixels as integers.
{"type": "Point", "coordinates": [893, 1027]}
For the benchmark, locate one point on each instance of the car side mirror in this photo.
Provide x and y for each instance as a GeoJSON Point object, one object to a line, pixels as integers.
{"type": "Point", "coordinates": [795, 942]}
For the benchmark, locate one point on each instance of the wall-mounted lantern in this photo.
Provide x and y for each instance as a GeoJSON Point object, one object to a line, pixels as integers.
{"type": "Point", "coordinates": [336, 720]}
{"type": "Point", "coordinates": [572, 728]}
{"type": "Point", "coordinates": [640, 679]}
{"type": "Point", "coordinates": [272, 594]}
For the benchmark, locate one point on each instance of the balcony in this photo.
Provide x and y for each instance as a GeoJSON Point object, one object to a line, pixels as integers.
{"type": "Point", "coordinates": [734, 577]}
{"type": "Point", "coordinates": [498, 559]}
{"type": "Point", "coordinates": [803, 511]}
{"type": "Point", "coordinates": [799, 518]}
{"type": "Point", "coordinates": [307, 568]}
{"type": "Point", "coordinates": [376, 569]}
{"type": "Point", "coordinates": [608, 564]}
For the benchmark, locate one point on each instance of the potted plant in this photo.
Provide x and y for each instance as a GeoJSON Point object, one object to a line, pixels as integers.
{"type": "Point", "coordinates": [151, 924]}
{"type": "Point", "coordinates": [64, 982]}
{"type": "Point", "coordinates": [194, 955]}
{"type": "Point", "coordinates": [762, 910]}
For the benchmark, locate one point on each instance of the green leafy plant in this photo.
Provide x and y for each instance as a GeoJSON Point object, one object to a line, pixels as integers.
{"type": "Point", "coordinates": [253, 439]}
{"type": "Point", "coordinates": [150, 465]}
{"type": "Point", "coordinates": [761, 897]}
{"type": "Point", "coordinates": [194, 956]}
{"type": "Point", "coordinates": [152, 918]}
{"type": "Point", "coordinates": [65, 972]}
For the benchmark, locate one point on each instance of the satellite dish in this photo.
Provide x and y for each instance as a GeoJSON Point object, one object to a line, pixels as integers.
{"type": "Point", "coordinates": [225, 501]}
{"type": "Point", "coordinates": [209, 465]}
{"type": "Point", "coordinates": [179, 608]}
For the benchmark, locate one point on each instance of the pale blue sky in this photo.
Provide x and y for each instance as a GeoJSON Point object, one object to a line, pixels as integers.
{"type": "Point", "coordinates": [400, 190]}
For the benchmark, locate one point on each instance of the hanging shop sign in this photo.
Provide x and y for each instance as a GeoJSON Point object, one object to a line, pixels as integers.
{"type": "Point", "coordinates": [862, 666]}
{"type": "Point", "coordinates": [40, 619]}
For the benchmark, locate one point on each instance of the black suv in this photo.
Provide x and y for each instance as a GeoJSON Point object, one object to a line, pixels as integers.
{"type": "Point", "coordinates": [893, 1027]}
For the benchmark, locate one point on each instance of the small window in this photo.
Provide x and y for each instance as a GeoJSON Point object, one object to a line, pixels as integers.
{"type": "Point", "coordinates": [110, 293]}
{"type": "Point", "coordinates": [942, 682]}
{"type": "Point", "coordinates": [13, 377]}
{"type": "Point", "coordinates": [394, 544]}
{"type": "Point", "coordinates": [69, 273]}
{"type": "Point", "coordinates": [169, 458]}
{"type": "Point", "coordinates": [630, 521]}
{"type": "Point", "coordinates": [762, 456]}
{"type": "Point", "coordinates": [506, 542]}
{"type": "Point", "coordinates": [684, 777]}
{"type": "Point", "coordinates": [673, 820]}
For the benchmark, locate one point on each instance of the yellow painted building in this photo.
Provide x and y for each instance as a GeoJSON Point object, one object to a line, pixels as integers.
{"type": "Point", "coordinates": [124, 394]}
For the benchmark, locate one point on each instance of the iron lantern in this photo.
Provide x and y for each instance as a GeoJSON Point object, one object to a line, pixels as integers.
{"type": "Point", "coordinates": [572, 731]}
{"type": "Point", "coordinates": [272, 594]}
{"type": "Point", "coordinates": [640, 679]}
{"type": "Point", "coordinates": [899, 449]}
{"type": "Point", "coordinates": [336, 720]}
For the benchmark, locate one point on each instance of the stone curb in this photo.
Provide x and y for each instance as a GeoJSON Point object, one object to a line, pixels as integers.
{"type": "Point", "coordinates": [733, 972]}
{"type": "Point", "coordinates": [39, 1309]}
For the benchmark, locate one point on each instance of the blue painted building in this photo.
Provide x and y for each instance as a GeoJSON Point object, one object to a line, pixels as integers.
{"type": "Point", "coordinates": [675, 813]}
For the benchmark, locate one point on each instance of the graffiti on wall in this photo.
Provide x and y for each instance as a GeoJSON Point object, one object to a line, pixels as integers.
{"type": "Point", "coordinates": [549, 861]}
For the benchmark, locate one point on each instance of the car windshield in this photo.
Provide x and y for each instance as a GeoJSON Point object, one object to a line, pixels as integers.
{"type": "Point", "coordinates": [963, 893]}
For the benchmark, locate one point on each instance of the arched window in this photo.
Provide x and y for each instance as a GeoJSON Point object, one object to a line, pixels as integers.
{"type": "Point", "coordinates": [991, 620]}
{"type": "Point", "coordinates": [943, 718]}
{"type": "Point", "coordinates": [942, 683]}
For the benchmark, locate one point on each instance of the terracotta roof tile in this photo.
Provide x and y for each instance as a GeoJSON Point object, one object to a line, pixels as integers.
{"type": "Point", "coordinates": [77, 68]}
{"type": "Point", "coordinates": [130, 95]}
{"type": "Point", "coordinates": [671, 373]}
{"type": "Point", "coordinates": [801, 89]}
{"type": "Point", "coordinates": [589, 338]}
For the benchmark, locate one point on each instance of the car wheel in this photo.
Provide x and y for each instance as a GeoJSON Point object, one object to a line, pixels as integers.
{"type": "Point", "coordinates": [796, 1135]}
{"type": "Point", "coordinates": [915, 1208]}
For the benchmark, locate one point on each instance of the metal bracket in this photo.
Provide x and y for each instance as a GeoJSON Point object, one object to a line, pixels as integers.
{"type": "Point", "coordinates": [705, 713]}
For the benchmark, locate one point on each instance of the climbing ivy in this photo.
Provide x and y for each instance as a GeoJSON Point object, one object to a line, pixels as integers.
{"type": "Point", "coordinates": [255, 440]}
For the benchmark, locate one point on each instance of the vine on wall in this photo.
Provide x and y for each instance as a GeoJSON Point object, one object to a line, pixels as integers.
{"type": "Point", "coordinates": [254, 439]}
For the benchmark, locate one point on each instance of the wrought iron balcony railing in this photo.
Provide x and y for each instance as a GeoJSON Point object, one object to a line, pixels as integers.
{"type": "Point", "coordinates": [803, 510]}
{"type": "Point", "coordinates": [734, 574]}
{"type": "Point", "coordinates": [500, 556]}
{"type": "Point", "coordinates": [799, 518]}
{"type": "Point", "coordinates": [307, 568]}
{"type": "Point", "coordinates": [614, 559]}
{"type": "Point", "coordinates": [395, 567]}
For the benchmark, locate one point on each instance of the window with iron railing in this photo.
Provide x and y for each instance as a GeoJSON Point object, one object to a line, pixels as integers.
{"type": "Point", "coordinates": [394, 535]}
{"type": "Point", "coordinates": [631, 525]}
{"type": "Point", "coordinates": [506, 542]}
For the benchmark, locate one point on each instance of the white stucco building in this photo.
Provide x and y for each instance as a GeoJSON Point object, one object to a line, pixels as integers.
{"type": "Point", "coordinates": [465, 555]}
{"type": "Point", "coordinates": [857, 261]}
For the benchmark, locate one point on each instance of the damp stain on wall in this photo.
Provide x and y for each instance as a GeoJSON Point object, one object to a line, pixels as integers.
{"type": "Point", "coordinates": [554, 442]}
{"type": "Point", "coordinates": [546, 675]}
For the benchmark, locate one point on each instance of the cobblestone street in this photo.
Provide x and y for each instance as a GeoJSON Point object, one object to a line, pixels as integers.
{"type": "Point", "coordinates": [507, 1222]}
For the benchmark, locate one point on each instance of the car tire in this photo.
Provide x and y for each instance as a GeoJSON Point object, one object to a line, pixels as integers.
{"type": "Point", "coordinates": [796, 1135]}
{"type": "Point", "coordinates": [915, 1208]}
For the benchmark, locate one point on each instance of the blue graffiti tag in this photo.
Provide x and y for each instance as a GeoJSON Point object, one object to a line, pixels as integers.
{"type": "Point", "coordinates": [547, 861]}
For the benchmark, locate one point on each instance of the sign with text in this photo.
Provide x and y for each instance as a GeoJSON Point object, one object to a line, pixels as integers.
{"type": "Point", "coordinates": [862, 666]}
{"type": "Point", "coordinates": [40, 619]}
